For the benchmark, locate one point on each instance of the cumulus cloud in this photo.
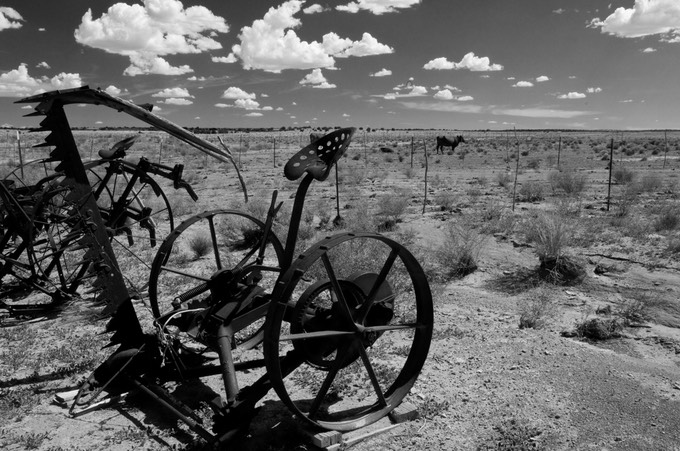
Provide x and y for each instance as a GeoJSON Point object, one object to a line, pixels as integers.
{"type": "Point", "coordinates": [231, 58]}
{"type": "Point", "coordinates": [645, 18]}
{"type": "Point", "coordinates": [523, 84]}
{"type": "Point", "coordinates": [377, 7]}
{"type": "Point", "coordinates": [147, 32]}
{"type": "Point", "coordinates": [253, 114]}
{"type": "Point", "coordinates": [112, 90]}
{"type": "Point", "coordinates": [444, 94]}
{"type": "Point", "coordinates": [316, 79]}
{"type": "Point", "coordinates": [572, 95]}
{"type": "Point", "coordinates": [18, 83]}
{"type": "Point", "coordinates": [10, 18]}
{"type": "Point", "coordinates": [648, 50]}
{"type": "Point", "coordinates": [237, 93]}
{"type": "Point", "coordinates": [465, 98]}
{"type": "Point", "coordinates": [382, 73]}
{"type": "Point", "coordinates": [314, 9]}
{"type": "Point", "coordinates": [542, 78]}
{"type": "Point", "coordinates": [173, 92]}
{"type": "Point", "coordinates": [272, 45]}
{"type": "Point", "coordinates": [540, 112]}
{"type": "Point", "coordinates": [594, 89]}
{"type": "Point", "coordinates": [415, 91]}
{"type": "Point", "coordinates": [177, 101]}
{"type": "Point", "coordinates": [470, 61]}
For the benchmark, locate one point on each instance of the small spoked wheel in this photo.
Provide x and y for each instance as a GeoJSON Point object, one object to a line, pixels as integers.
{"type": "Point", "coordinates": [348, 331]}
{"type": "Point", "coordinates": [216, 253]}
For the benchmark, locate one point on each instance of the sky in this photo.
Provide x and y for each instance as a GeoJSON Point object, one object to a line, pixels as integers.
{"type": "Point", "coordinates": [439, 64]}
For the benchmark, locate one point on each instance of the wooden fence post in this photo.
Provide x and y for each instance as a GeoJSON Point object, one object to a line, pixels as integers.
{"type": "Point", "coordinates": [514, 186]}
{"type": "Point", "coordinates": [21, 156]}
{"type": "Point", "coordinates": [426, 167]}
{"type": "Point", "coordinates": [665, 147]}
{"type": "Point", "coordinates": [611, 164]}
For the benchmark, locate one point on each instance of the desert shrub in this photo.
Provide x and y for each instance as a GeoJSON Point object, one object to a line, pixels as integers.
{"type": "Point", "coordinates": [599, 328]}
{"type": "Point", "coordinates": [623, 175]}
{"type": "Point", "coordinates": [512, 435]}
{"type": "Point", "coordinates": [392, 207]}
{"type": "Point", "coordinates": [650, 183]}
{"type": "Point", "coordinates": [531, 192]}
{"type": "Point", "coordinates": [637, 310]}
{"type": "Point", "coordinates": [536, 311]}
{"type": "Point", "coordinates": [673, 246]}
{"type": "Point", "coordinates": [200, 244]}
{"type": "Point", "coordinates": [668, 219]}
{"type": "Point", "coordinates": [550, 235]}
{"type": "Point", "coordinates": [446, 200]}
{"type": "Point", "coordinates": [409, 172]}
{"type": "Point", "coordinates": [534, 163]}
{"type": "Point", "coordinates": [474, 193]}
{"type": "Point", "coordinates": [360, 219]}
{"type": "Point", "coordinates": [459, 253]}
{"type": "Point", "coordinates": [257, 207]}
{"type": "Point", "coordinates": [567, 182]}
{"type": "Point", "coordinates": [503, 178]}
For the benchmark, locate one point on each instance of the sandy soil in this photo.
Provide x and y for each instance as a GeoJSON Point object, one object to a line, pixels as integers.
{"type": "Point", "coordinates": [487, 383]}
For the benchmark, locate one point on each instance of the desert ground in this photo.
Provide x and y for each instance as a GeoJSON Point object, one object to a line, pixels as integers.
{"type": "Point", "coordinates": [555, 291]}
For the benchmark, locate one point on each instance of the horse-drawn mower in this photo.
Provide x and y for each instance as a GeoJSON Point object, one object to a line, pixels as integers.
{"type": "Point", "coordinates": [340, 331]}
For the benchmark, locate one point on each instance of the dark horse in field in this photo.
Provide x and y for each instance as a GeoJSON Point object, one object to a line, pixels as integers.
{"type": "Point", "coordinates": [443, 141]}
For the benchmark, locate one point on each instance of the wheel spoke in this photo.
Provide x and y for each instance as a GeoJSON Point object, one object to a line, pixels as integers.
{"type": "Point", "coordinates": [312, 335]}
{"type": "Point", "coordinates": [213, 239]}
{"type": "Point", "coordinates": [325, 386]}
{"type": "Point", "coordinates": [371, 374]}
{"type": "Point", "coordinates": [337, 291]}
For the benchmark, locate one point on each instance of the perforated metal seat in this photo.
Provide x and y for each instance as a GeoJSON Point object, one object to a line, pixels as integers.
{"type": "Point", "coordinates": [318, 158]}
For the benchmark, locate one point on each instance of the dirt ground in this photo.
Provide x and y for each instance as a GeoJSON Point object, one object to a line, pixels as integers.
{"type": "Point", "coordinates": [487, 383]}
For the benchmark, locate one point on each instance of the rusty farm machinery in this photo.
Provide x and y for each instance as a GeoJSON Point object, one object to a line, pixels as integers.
{"type": "Point", "coordinates": [340, 331]}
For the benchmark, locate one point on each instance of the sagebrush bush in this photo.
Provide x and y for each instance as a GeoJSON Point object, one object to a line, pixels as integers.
{"type": "Point", "coordinates": [460, 250]}
{"type": "Point", "coordinates": [668, 219]}
{"type": "Point", "coordinates": [623, 175]}
{"type": "Point", "coordinates": [200, 244]}
{"type": "Point", "coordinates": [391, 208]}
{"type": "Point", "coordinates": [503, 179]}
{"type": "Point", "coordinates": [531, 192]}
{"type": "Point", "coordinates": [537, 310]}
{"type": "Point", "coordinates": [567, 182]}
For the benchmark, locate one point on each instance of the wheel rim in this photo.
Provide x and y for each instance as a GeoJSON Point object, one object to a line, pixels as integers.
{"type": "Point", "coordinates": [140, 222]}
{"type": "Point", "coordinates": [202, 248]}
{"type": "Point", "coordinates": [355, 313]}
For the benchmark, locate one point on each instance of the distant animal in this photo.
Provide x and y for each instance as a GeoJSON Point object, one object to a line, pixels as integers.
{"type": "Point", "coordinates": [443, 141]}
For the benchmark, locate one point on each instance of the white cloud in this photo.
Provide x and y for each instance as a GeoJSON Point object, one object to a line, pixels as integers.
{"type": "Point", "coordinates": [9, 18]}
{"type": "Point", "coordinates": [43, 65]}
{"type": "Point", "coordinates": [572, 95]}
{"type": "Point", "coordinates": [18, 83]}
{"type": "Point", "coordinates": [469, 61]}
{"type": "Point", "coordinates": [173, 92]}
{"type": "Point", "coordinates": [231, 58]}
{"type": "Point", "coordinates": [112, 90]}
{"type": "Point", "coordinates": [645, 18]}
{"type": "Point", "coordinates": [465, 98]}
{"type": "Point", "coordinates": [382, 73]}
{"type": "Point", "coordinates": [177, 101]}
{"type": "Point", "coordinates": [451, 88]}
{"type": "Point", "coordinates": [523, 84]}
{"type": "Point", "coordinates": [345, 115]}
{"type": "Point", "coordinates": [313, 9]}
{"type": "Point", "coordinates": [511, 78]}
{"type": "Point", "coordinates": [443, 106]}
{"type": "Point", "coordinates": [254, 114]}
{"type": "Point", "coordinates": [559, 10]}
{"type": "Point", "coordinates": [237, 93]}
{"type": "Point", "coordinates": [648, 50]}
{"type": "Point", "coordinates": [247, 104]}
{"type": "Point", "coordinates": [594, 89]}
{"type": "Point", "coordinates": [542, 78]}
{"type": "Point", "coordinates": [146, 32]}
{"type": "Point", "coordinates": [343, 48]}
{"type": "Point", "coordinates": [316, 79]}
{"type": "Point", "coordinates": [272, 45]}
{"type": "Point", "coordinates": [444, 94]}
{"type": "Point", "coordinates": [377, 7]}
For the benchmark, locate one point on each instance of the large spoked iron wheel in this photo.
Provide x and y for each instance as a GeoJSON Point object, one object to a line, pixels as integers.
{"type": "Point", "coordinates": [353, 319]}
{"type": "Point", "coordinates": [203, 251]}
